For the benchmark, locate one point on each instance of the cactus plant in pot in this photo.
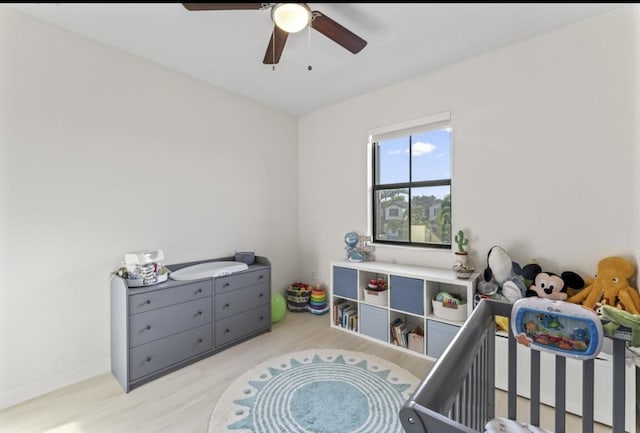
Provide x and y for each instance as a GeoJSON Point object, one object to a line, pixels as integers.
{"type": "Point", "coordinates": [460, 267]}
{"type": "Point", "coordinates": [461, 254]}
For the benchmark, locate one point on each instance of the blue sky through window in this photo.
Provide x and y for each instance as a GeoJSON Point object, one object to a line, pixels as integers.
{"type": "Point", "coordinates": [430, 157]}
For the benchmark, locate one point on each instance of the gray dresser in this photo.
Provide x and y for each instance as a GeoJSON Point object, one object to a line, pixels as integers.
{"type": "Point", "coordinates": [158, 329]}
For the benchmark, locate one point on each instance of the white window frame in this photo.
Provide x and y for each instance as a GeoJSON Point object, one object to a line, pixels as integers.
{"type": "Point", "coordinates": [406, 127]}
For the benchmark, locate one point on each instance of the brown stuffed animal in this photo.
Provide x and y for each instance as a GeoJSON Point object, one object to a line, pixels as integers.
{"type": "Point", "coordinates": [610, 286]}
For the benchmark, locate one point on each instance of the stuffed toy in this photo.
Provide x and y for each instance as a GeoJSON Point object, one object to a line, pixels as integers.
{"type": "Point", "coordinates": [610, 287]}
{"type": "Point", "coordinates": [619, 318]}
{"type": "Point", "coordinates": [502, 275]}
{"type": "Point", "coordinates": [549, 285]}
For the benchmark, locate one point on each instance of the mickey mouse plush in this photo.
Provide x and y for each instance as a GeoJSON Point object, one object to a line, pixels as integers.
{"type": "Point", "coordinates": [549, 285]}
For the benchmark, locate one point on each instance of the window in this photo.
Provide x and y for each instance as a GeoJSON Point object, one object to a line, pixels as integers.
{"type": "Point", "coordinates": [410, 186]}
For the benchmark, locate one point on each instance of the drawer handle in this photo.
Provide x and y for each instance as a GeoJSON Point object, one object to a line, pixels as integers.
{"type": "Point", "coordinates": [198, 291]}
{"type": "Point", "coordinates": [148, 302]}
{"type": "Point", "coordinates": [148, 359]}
{"type": "Point", "coordinates": [148, 327]}
{"type": "Point", "coordinates": [261, 317]}
{"type": "Point", "coordinates": [199, 313]}
{"type": "Point", "coordinates": [225, 285]}
{"type": "Point", "coordinates": [261, 295]}
{"type": "Point", "coordinates": [199, 340]}
{"type": "Point", "coordinates": [226, 331]}
{"type": "Point", "coordinates": [226, 306]}
{"type": "Point", "coordinates": [261, 277]}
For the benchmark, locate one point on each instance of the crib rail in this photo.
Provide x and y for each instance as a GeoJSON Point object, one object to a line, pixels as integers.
{"type": "Point", "coordinates": [458, 394]}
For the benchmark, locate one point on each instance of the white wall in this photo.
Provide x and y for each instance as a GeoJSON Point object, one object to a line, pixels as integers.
{"type": "Point", "coordinates": [636, 115]}
{"type": "Point", "coordinates": [543, 152]}
{"type": "Point", "coordinates": [102, 153]}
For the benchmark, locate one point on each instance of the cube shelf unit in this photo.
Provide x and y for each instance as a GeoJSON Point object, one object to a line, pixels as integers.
{"type": "Point", "coordinates": [408, 298]}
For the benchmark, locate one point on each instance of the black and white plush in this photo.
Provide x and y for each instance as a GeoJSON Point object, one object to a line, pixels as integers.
{"type": "Point", "coordinates": [502, 275]}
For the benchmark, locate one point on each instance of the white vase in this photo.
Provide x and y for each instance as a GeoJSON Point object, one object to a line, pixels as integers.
{"type": "Point", "coordinates": [460, 259]}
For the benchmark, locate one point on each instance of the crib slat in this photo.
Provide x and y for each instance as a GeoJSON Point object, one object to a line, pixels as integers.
{"type": "Point", "coordinates": [474, 396]}
{"type": "Point", "coordinates": [587, 395]}
{"type": "Point", "coordinates": [512, 377]}
{"type": "Point", "coordinates": [483, 383]}
{"type": "Point", "coordinates": [490, 339]}
{"type": "Point", "coordinates": [467, 399]}
{"type": "Point", "coordinates": [618, 386]}
{"type": "Point", "coordinates": [479, 385]}
{"type": "Point", "coordinates": [485, 380]}
{"type": "Point", "coordinates": [535, 387]}
{"type": "Point", "coordinates": [465, 402]}
{"type": "Point", "coordinates": [561, 392]}
{"type": "Point", "coordinates": [455, 409]}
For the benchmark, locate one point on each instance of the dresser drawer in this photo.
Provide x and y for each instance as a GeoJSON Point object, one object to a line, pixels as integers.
{"type": "Point", "coordinates": [235, 327]}
{"type": "Point", "coordinates": [162, 298]}
{"type": "Point", "coordinates": [154, 356]}
{"type": "Point", "coordinates": [236, 301]}
{"type": "Point", "coordinates": [151, 325]}
{"type": "Point", "coordinates": [232, 282]}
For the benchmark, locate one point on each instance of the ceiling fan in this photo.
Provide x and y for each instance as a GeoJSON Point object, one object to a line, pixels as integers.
{"type": "Point", "coordinates": [290, 18]}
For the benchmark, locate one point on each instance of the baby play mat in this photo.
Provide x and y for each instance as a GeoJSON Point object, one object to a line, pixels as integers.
{"type": "Point", "coordinates": [316, 391]}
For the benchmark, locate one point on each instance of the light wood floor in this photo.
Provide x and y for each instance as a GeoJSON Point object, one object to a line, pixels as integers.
{"type": "Point", "coordinates": [183, 400]}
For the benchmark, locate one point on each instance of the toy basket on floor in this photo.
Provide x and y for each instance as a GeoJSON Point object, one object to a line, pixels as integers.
{"type": "Point", "coordinates": [298, 295]}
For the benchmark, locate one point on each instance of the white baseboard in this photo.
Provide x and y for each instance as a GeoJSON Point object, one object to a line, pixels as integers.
{"type": "Point", "coordinates": [20, 395]}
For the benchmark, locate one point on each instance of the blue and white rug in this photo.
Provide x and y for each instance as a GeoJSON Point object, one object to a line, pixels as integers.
{"type": "Point", "coordinates": [316, 391]}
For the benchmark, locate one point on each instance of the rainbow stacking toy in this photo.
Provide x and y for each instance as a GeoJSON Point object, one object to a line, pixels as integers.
{"type": "Point", "coordinates": [318, 301]}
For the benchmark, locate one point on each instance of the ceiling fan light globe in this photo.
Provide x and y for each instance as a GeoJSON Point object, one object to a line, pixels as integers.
{"type": "Point", "coordinates": [291, 17]}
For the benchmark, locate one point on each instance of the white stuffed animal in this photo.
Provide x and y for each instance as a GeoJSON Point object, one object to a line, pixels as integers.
{"type": "Point", "coordinates": [502, 274]}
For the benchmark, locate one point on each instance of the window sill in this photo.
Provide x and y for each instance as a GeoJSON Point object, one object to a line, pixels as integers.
{"type": "Point", "coordinates": [411, 247]}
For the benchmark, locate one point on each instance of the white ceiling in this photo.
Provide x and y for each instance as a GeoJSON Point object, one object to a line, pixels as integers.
{"type": "Point", "coordinates": [226, 48]}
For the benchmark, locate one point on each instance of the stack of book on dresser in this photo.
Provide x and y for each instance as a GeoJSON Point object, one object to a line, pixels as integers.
{"type": "Point", "coordinates": [345, 315]}
{"type": "Point", "coordinates": [402, 336]}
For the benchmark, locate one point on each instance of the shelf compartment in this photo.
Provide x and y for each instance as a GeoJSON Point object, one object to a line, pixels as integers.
{"type": "Point", "coordinates": [373, 322]}
{"type": "Point", "coordinates": [407, 294]}
{"type": "Point", "coordinates": [374, 297]}
{"type": "Point", "coordinates": [434, 287]}
{"type": "Point", "coordinates": [439, 335]}
{"type": "Point", "coordinates": [345, 314]}
{"type": "Point", "coordinates": [345, 282]}
{"type": "Point", "coordinates": [404, 330]}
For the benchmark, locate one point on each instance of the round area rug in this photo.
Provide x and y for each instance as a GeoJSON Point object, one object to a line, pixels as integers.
{"type": "Point", "coordinates": [316, 391]}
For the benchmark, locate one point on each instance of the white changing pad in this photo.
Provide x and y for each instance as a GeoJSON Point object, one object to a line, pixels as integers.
{"type": "Point", "coordinates": [207, 270]}
{"type": "Point", "coordinates": [505, 425]}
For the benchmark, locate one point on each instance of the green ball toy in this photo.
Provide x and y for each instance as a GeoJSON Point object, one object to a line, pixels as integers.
{"type": "Point", "coordinates": [278, 307]}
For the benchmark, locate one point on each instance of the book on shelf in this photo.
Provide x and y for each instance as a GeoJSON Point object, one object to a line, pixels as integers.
{"type": "Point", "coordinates": [349, 317]}
{"type": "Point", "coordinates": [338, 312]}
{"type": "Point", "coordinates": [399, 333]}
{"type": "Point", "coordinates": [345, 315]}
{"type": "Point", "coordinates": [403, 336]}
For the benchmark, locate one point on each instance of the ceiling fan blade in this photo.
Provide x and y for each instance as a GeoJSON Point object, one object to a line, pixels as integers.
{"type": "Point", "coordinates": [336, 32]}
{"type": "Point", "coordinates": [276, 46]}
{"type": "Point", "coordinates": [223, 6]}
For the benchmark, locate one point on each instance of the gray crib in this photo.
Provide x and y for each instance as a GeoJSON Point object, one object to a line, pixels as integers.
{"type": "Point", "coordinates": [458, 395]}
